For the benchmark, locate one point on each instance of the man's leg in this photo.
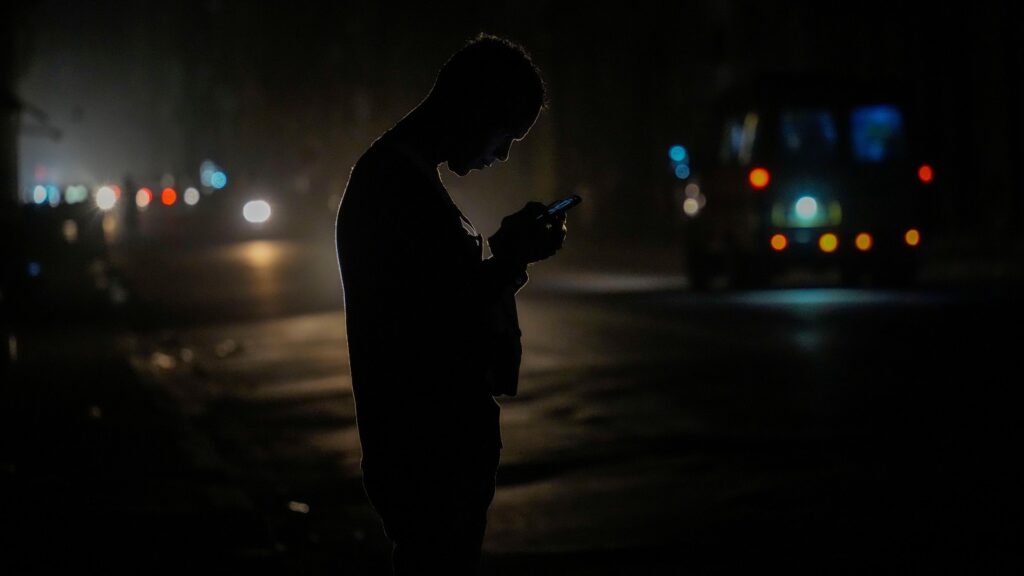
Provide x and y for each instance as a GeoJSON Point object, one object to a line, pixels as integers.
{"type": "Point", "coordinates": [436, 518]}
{"type": "Point", "coordinates": [440, 533]}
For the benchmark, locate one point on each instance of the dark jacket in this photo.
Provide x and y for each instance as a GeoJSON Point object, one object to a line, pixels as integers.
{"type": "Point", "coordinates": [432, 328]}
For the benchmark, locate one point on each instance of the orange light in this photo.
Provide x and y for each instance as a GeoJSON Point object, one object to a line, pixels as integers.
{"type": "Point", "coordinates": [828, 243]}
{"type": "Point", "coordinates": [168, 196]}
{"type": "Point", "coordinates": [864, 241]}
{"type": "Point", "coordinates": [779, 242]}
{"type": "Point", "coordinates": [759, 178]}
{"type": "Point", "coordinates": [925, 174]}
{"type": "Point", "coordinates": [912, 237]}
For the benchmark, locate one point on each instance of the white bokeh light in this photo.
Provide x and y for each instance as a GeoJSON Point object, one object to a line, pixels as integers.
{"type": "Point", "coordinates": [106, 198]}
{"type": "Point", "coordinates": [256, 211]}
{"type": "Point", "coordinates": [806, 207]}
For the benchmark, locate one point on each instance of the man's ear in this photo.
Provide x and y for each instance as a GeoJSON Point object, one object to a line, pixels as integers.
{"type": "Point", "coordinates": [459, 124]}
{"type": "Point", "coordinates": [480, 118]}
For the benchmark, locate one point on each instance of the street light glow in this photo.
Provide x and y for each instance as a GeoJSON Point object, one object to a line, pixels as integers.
{"type": "Point", "coordinates": [256, 211]}
{"type": "Point", "coordinates": [106, 198]}
{"type": "Point", "coordinates": [691, 206]}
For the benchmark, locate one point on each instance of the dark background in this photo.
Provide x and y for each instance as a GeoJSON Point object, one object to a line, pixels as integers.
{"type": "Point", "coordinates": [285, 96]}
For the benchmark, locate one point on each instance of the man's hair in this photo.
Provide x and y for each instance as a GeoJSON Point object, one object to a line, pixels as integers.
{"type": "Point", "coordinates": [493, 73]}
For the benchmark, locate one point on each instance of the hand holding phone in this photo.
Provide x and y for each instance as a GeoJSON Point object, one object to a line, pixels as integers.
{"type": "Point", "coordinates": [560, 207]}
{"type": "Point", "coordinates": [534, 233]}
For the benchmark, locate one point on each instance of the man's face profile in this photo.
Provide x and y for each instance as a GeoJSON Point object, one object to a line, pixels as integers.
{"type": "Point", "coordinates": [483, 146]}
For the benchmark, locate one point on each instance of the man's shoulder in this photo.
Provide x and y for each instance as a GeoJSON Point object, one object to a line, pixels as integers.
{"type": "Point", "coordinates": [377, 173]}
{"type": "Point", "coordinates": [385, 183]}
{"type": "Point", "coordinates": [383, 158]}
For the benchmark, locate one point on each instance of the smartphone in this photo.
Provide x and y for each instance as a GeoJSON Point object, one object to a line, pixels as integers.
{"type": "Point", "coordinates": [562, 205]}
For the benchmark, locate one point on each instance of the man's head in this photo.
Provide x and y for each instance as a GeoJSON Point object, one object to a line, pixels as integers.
{"type": "Point", "coordinates": [490, 93]}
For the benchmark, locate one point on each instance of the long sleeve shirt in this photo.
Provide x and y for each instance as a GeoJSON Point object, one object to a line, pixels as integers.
{"type": "Point", "coordinates": [424, 311]}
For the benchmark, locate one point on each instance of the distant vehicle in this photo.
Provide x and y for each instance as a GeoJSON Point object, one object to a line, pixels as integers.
{"type": "Point", "coordinates": [813, 174]}
{"type": "Point", "coordinates": [57, 267]}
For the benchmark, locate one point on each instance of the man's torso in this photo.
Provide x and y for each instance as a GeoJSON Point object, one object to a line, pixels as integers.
{"type": "Point", "coordinates": [413, 350]}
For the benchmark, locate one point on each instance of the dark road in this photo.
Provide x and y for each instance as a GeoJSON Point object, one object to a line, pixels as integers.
{"type": "Point", "coordinates": [819, 430]}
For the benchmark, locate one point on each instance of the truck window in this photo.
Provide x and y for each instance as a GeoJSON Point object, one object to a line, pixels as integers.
{"type": "Point", "coordinates": [807, 134]}
{"type": "Point", "coordinates": [876, 133]}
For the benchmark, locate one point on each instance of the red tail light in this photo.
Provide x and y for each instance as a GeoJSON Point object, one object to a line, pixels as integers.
{"type": "Point", "coordinates": [925, 174]}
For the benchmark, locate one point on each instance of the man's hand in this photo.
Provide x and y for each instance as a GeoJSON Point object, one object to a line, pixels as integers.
{"type": "Point", "coordinates": [523, 239]}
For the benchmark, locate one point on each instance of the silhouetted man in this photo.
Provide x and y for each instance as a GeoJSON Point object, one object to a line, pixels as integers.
{"type": "Point", "coordinates": [433, 333]}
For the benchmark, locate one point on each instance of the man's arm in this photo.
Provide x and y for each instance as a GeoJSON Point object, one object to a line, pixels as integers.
{"type": "Point", "coordinates": [498, 273]}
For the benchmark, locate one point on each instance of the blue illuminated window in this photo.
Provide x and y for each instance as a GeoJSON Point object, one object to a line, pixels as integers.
{"type": "Point", "coordinates": [876, 133]}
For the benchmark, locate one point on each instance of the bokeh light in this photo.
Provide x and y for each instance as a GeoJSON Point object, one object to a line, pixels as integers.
{"type": "Point", "coordinates": [219, 180]}
{"type": "Point", "coordinates": [76, 194]}
{"type": "Point", "coordinates": [677, 153]}
{"type": "Point", "coordinates": [70, 230]}
{"type": "Point", "coordinates": [256, 211]}
{"type": "Point", "coordinates": [691, 206]}
{"type": "Point", "coordinates": [759, 178]}
{"type": "Point", "coordinates": [828, 243]}
{"type": "Point", "coordinates": [39, 194]}
{"type": "Point", "coordinates": [206, 171]}
{"type": "Point", "coordinates": [807, 207]}
{"type": "Point", "coordinates": [925, 174]}
{"type": "Point", "coordinates": [864, 241]}
{"type": "Point", "coordinates": [912, 237]}
{"type": "Point", "coordinates": [143, 197]}
{"type": "Point", "coordinates": [106, 198]}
